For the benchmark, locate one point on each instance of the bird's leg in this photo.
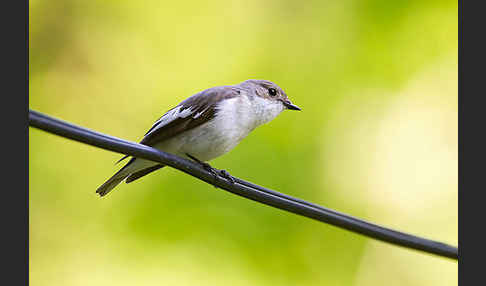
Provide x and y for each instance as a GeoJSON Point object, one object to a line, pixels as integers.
{"type": "Point", "coordinates": [205, 165]}
{"type": "Point", "coordinates": [216, 173]}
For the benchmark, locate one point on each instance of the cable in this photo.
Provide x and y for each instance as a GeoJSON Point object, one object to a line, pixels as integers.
{"type": "Point", "coordinates": [241, 187]}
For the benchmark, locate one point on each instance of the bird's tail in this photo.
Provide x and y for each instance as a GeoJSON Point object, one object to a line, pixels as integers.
{"type": "Point", "coordinates": [116, 179]}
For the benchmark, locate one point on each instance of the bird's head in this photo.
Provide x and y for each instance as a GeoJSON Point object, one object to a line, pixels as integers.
{"type": "Point", "coordinates": [269, 91]}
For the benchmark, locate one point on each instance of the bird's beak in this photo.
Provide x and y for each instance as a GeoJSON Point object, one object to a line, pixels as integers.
{"type": "Point", "coordinates": [290, 106]}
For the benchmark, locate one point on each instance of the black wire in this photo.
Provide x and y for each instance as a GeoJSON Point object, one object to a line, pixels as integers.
{"type": "Point", "coordinates": [241, 187]}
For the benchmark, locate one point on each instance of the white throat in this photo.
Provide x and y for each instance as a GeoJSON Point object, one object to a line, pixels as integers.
{"type": "Point", "coordinates": [265, 110]}
{"type": "Point", "coordinates": [245, 113]}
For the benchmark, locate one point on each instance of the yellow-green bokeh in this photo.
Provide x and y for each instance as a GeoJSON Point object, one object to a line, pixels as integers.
{"type": "Point", "coordinates": [377, 139]}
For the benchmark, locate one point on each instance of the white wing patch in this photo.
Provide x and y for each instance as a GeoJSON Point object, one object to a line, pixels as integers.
{"type": "Point", "coordinates": [200, 113]}
{"type": "Point", "coordinates": [169, 117]}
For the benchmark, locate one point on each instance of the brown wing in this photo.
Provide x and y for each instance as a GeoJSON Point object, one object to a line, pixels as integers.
{"type": "Point", "coordinates": [194, 111]}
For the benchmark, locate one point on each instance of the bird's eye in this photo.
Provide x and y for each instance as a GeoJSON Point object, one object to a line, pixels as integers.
{"type": "Point", "coordinates": [272, 91]}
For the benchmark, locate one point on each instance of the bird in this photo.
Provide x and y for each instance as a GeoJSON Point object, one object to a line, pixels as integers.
{"type": "Point", "coordinates": [205, 126]}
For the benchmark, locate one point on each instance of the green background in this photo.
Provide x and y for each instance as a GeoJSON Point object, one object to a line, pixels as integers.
{"type": "Point", "coordinates": [377, 139]}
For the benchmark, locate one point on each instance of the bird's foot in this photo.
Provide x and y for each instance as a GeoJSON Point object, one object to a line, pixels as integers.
{"type": "Point", "coordinates": [227, 176]}
{"type": "Point", "coordinates": [215, 172]}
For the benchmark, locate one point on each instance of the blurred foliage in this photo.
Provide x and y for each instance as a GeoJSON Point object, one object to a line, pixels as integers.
{"type": "Point", "coordinates": [377, 138]}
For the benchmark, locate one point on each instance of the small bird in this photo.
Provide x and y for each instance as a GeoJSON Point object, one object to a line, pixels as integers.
{"type": "Point", "coordinates": [207, 125]}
